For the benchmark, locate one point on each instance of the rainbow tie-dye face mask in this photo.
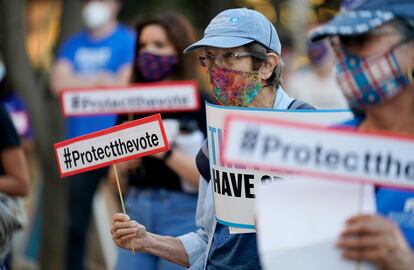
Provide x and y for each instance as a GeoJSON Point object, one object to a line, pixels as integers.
{"type": "Point", "coordinates": [234, 88]}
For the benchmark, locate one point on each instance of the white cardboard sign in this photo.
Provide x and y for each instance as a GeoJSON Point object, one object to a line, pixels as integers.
{"type": "Point", "coordinates": [310, 218]}
{"type": "Point", "coordinates": [130, 140]}
{"type": "Point", "coordinates": [321, 152]}
{"type": "Point", "coordinates": [234, 187]}
{"type": "Point", "coordinates": [175, 96]}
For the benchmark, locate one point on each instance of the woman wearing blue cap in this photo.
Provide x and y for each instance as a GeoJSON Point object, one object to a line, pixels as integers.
{"type": "Point", "coordinates": [367, 37]}
{"type": "Point", "coordinates": [241, 51]}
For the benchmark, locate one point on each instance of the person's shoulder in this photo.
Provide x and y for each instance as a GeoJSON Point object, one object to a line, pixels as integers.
{"type": "Point", "coordinates": [74, 41]}
{"type": "Point", "coordinates": [125, 31]}
{"type": "Point", "coordinates": [298, 104]}
{"type": "Point", "coordinates": [79, 36]}
{"type": "Point", "coordinates": [205, 96]}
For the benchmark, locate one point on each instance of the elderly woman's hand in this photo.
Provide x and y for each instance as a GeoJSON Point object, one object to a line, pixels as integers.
{"type": "Point", "coordinates": [126, 232]}
{"type": "Point", "coordinates": [378, 240]}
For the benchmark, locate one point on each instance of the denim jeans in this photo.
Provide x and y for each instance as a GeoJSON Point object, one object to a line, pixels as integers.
{"type": "Point", "coordinates": [162, 212]}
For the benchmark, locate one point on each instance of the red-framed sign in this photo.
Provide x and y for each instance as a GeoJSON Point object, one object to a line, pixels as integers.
{"type": "Point", "coordinates": [173, 96]}
{"type": "Point", "coordinates": [134, 139]}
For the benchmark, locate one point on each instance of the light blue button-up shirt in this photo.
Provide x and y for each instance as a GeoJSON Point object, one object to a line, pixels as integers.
{"type": "Point", "coordinates": [197, 244]}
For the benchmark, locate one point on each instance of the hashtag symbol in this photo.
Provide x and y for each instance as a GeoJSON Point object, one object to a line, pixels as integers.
{"type": "Point", "coordinates": [249, 140]}
{"type": "Point", "coordinates": [75, 102]}
{"type": "Point", "coordinates": [68, 160]}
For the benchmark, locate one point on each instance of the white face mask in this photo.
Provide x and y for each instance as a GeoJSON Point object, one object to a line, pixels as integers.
{"type": "Point", "coordinates": [96, 14]}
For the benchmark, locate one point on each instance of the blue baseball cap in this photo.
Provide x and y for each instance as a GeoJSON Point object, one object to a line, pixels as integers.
{"type": "Point", "coordinates": [361, 16]}
{"type": "Point", "coordinates": [237, 27]}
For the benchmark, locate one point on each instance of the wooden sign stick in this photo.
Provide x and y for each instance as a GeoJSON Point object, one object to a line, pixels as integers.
{"type": "Point", "coordinates": [122, 201]}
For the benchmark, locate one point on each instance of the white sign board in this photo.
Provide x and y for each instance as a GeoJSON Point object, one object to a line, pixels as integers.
{"type": "Point", "coordinates": [301, 219]}
{"type": "Point", "coordinates": [235, 186]}
{"type": "Point", "coordinates": [321, 152]}
{"type": "Point", "coordinates": [176, 96]}
{"type": "Point", "coordinates": [130, 140]}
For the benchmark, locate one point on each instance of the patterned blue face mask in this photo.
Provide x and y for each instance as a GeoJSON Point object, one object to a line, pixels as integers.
{"type": "Point", "coordinates": [368, 81]}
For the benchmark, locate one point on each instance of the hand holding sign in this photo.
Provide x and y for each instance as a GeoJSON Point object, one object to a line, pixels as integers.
{"type": "Point", "coordinates": [124, 142]}
{"type": "Point", "coordinates": [128, 234]}
{"type": "Point", "coordinates": [376, 239]}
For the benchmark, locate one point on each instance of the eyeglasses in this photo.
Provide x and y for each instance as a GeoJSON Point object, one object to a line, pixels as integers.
{"type": "Point", "coordinates": [225, 59]}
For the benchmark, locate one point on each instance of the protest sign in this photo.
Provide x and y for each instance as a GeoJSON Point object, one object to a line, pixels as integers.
{"type": "Point", "coordinates": [322, 152]}
{"type": "Point", "coordinates": [177, 96]}
{"type": "Point", "coordinates": [130, 140]}
{"type": "Point", "coordinates": [310, 218]}
{"type": "Point", "coordinates": [234, 186]}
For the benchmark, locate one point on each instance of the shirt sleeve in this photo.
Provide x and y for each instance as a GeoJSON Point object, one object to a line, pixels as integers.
{"type": "Point", "coordinates": [195, 243]}
{"type": "Point", "coordinates": [67, 49]}
{"type": "Point", "coordinates": [128, 48]}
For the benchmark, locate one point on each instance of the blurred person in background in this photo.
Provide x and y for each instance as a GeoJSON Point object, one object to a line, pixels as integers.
{"type": "Point", "coordinates": [16, 110]}
{"type": "Point", "coordinates": [14, 181]}
{"type": "Point", "coordinates": [241, 52]}
{"type": "Point", "coordinates": [19, 116]}
{"type": "Point", "coordinates": [373, 41]}
{"type": "Point", "coordinates": [100, 55]}
{"type": "Point", "coordinates": [162, 189]}
{"type": "Point", "coordinates": [315, 83]}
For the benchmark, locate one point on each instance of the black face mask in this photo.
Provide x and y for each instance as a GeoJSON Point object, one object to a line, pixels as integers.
{"type": "Point", "coordinates": [156, 67]}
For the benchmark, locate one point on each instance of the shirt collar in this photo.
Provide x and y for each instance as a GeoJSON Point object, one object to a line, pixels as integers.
{"type": "Point", "coordinates": [282, 100]}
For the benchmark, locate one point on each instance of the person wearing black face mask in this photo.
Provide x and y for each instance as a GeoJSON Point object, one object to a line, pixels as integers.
{"type": "Point", "coordinates": [162, 189]}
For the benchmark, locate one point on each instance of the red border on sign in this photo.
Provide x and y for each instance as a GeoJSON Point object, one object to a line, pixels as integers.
{"type": "Point", "coordinates": [321, 175]}
{"type": "Point", "coordinates": [138, 122]}
{"type": "Point", "coordinates": [138, 86]}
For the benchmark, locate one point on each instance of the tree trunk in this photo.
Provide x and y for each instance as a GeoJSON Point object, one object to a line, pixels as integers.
{"type": "Point", "coordinates": [45, 117]}
{"type": "Point", "coordinates": [70, 22]}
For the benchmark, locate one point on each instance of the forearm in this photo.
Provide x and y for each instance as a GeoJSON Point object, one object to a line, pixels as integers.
{"type": "Point", "coordinates": [15, 180]}
{"type": "Point", "coordinates": [10, 186]}
{"type": "Point", "coordinates": [63, 76]}
{"type": "Point", "coordinates": [74, 81]}
{"type": "Point", "coordinates": [184, 166]}
{"type": "Point", "coordinates": [128, 233]}
{"type": "Point", "coordinates": [168, 248]}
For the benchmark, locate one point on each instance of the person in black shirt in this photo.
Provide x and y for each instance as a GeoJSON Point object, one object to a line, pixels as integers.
{"type": "Point", "coordinates": [14, 176]}
{"type": "Point", "coordinates": [14, 179]}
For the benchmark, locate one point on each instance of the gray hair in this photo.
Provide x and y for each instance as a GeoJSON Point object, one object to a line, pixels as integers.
{"type": "Point", "coordinates": [259, 53]}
